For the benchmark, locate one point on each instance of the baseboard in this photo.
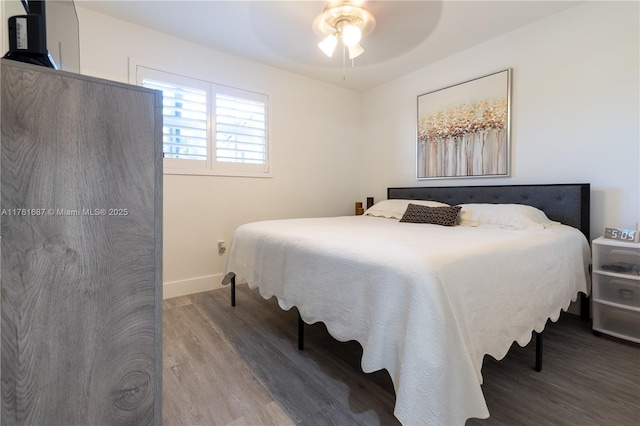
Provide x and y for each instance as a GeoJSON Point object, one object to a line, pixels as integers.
{"type": "Point", "coordinates": [191, 286]}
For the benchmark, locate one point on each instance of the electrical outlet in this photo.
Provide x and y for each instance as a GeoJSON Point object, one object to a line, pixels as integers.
{"type": "Point", "coordinates": [222, 247]}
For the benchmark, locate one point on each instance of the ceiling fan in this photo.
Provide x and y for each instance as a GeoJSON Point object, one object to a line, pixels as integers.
{"type": "Point", "coordinates": [345, 21]}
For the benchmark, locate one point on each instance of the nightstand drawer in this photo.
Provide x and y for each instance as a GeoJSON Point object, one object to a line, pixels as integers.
{"type": "Point", "coordinates": [619, 260]}
{"type": "Point", "coordinates": [617, 290]}
{"type": "Point", "coordinates": [616, 322]}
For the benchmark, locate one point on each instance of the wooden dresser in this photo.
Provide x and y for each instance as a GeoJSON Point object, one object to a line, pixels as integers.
{"type": "Point", "coordinates": [81, 227]}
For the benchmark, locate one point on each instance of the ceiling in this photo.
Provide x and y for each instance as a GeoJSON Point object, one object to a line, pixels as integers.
{"type": "Point", "coordinates": [408, 34]}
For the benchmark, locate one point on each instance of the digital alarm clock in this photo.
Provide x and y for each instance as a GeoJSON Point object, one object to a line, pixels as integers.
{"type": "Point", "coordinates": [628, 235]}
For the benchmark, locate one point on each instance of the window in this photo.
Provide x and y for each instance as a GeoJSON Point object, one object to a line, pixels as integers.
{"type": "Point", "coordinates": [184, 113]}
{"type": "Point", "coordinates": [210, 128]}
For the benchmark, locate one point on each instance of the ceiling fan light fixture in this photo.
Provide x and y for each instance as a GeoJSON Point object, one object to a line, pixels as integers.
{"type": "Point", "coordinates": [328, 45]}
{"type": "Point", "coordinates": [351, 35]}
{"type": "Point", "coordinates": [355, 51]}
{"type": "Point", "coordinates": [347, 21]}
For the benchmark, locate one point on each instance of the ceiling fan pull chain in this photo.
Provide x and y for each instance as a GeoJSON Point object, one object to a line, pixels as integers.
{"type": "Point", "coordinates": [344, 63]}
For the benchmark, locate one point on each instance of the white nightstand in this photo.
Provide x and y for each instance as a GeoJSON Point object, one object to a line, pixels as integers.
{"type": "Point", "coordinates": [616, 288]}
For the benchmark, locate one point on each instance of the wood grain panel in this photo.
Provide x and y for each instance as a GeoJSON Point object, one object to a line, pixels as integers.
{"type": "Point", "coordinates": [80, 278]}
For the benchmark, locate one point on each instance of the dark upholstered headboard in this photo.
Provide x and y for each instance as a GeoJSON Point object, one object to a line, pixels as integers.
{"type": "Point", "coordinates": [566, 203]}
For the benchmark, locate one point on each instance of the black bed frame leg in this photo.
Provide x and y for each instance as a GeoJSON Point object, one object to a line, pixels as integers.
{"type": "Point", "coordinates": [230, 278]}
{"type": "Point", "coordinates": [538, 366]}
{"type": "Point", "coordinates": [584, 307]}
{"type": "Point", "coordinates": [300, 333]}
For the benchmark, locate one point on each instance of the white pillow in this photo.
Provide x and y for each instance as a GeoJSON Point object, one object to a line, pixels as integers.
{"type": "Point", "coordinates": [396, 208]}
{"type": "Point", "coordinates": [509, 216]}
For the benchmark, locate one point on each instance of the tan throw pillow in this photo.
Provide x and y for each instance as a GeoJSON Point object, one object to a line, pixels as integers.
{"type": "Point", "coordinates": [445, 216]}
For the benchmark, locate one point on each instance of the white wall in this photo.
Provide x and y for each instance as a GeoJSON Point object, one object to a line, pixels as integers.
{"type": "Point", "coordinates": [314, 129]}
{"type": "Point", "coordinates": [575, 119]}
{"type": "Point", "coordinates": [576, 115]}
{"type": "Point", "coordinates": [62, 42]}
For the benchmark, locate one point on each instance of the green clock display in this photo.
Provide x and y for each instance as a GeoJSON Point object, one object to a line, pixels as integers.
{"type": "Point", "coordinates": [628, 235]}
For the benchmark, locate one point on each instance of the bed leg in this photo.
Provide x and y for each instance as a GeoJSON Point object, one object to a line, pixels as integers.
{"type": "Point", "coordinates": [230, 278]}
{"type": "Point", "coordinates": [300, 333]}
{"type": "Point", "coordinates": [538, 366]}
{"type": "Point", "coordinates": [584, 307]}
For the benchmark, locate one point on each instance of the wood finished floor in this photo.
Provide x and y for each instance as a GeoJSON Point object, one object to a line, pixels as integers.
{"type": "Point", "coordinates": [241, 366]}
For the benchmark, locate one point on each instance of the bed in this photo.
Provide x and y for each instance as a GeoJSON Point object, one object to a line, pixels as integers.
{"type": "Point", "coordinates": [427, 302]}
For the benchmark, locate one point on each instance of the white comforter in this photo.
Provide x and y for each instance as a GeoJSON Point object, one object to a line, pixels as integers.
{"type": "Point", "coordinates": [426, 302]}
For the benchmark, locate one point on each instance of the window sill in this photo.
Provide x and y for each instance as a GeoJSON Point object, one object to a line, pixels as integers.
{"type": "Point", "coordinates": [204, 172]}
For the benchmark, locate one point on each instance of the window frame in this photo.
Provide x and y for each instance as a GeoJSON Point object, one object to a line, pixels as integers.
{"type": "Point", "coordinates": [212, 167]}
{"type": "Point", "coordinates": [227, 168]}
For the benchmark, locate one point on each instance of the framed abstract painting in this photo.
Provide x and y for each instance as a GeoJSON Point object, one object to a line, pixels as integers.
{"type": "Point", "coordinates": [464, 130]}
